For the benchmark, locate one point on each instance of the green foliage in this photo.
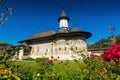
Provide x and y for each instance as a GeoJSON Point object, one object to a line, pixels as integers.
{"type": "Point", "coordinates": [86, 69]}
{"type": "Point", "coordinates": [24, 72]}
{"type": "Point", "coordinates": [104, 43]}
{"type": "Point", "coordinates": [29, 59]}
{"type": "Point", "coordinates": [45, 71]}
{"type": "Point", "coordinates": [39, 60]}
{"type": "Point", "coordinates": [6, 68]}
{"type": "Point", "coordinates": [4, 46]}
{"type": "Point", "coordinates": [101, 70]}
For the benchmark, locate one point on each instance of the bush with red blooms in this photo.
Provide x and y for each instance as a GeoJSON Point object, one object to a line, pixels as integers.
{"type": "Point", "coordinates": [92, 56]}
{"type": "Point", "coordinates": [113, 53]}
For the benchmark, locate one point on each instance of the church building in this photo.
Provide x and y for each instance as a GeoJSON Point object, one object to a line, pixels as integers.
{"type": "Point", "coordinates": [65, 44]}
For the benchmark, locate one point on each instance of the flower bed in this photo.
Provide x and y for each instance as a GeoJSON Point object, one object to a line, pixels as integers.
{"type": "Point", "coordinates": [104, 67]}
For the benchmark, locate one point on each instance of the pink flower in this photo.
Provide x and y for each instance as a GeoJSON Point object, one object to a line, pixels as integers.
{"type": "Point", "coordinates": [113, 53]}
{"type": "Point", "coordinates": [107, 56]}
{"type": "Point", "coordinates": [109, 50]}
{"type": "Point", "coordinates": [118, 55]}
{"type": "Point", "coordinates": [116, 48]}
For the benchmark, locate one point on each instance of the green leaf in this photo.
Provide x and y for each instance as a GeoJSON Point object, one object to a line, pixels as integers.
{"type": "Point", "coordinates": [118, 77]}
{"type": "Point", "coordinates": [1, 57]}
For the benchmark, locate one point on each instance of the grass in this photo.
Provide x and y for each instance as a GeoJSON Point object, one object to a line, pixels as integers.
{"type": "Point", "coordinates": [58, 65]}
{"type": "Point", "coordinates": [60, 70]}
{"type": "Point", "coordinates": [31, 64]}
{"type": "Point", "coordinates": [85, 69]}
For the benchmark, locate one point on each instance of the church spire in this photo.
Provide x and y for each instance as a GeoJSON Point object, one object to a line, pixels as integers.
{"type": "Point", "coordinates": [63, 16]}
{"type": "Point", "coordinates": [63, 22]}
{"type": "Point", "coordinates": [63, 13]}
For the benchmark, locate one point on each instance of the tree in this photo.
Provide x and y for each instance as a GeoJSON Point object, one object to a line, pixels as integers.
{"type": "Point", "coordinates": [105, 43]}
{"type": "Point", "coordinates": [7, 70]}
{"type": "Point", "coordinates": [5, 12]}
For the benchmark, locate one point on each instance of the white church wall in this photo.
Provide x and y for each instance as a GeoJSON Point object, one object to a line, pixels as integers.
{"type": "Point", "coordinates": [66, 48]}
{"type": "Point", "coordinates": [41, 49]}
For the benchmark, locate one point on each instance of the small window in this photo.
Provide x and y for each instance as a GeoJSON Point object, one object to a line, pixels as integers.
{"type": "Point", "coordinates": [32, 50]}
{"type": "Point", "coordinates": [59, 49]}
{"type": "Point", "coordinates": [37, 49]}
{"type": "Point", "coordinates": [65, 48]}
{"type": "Point", "coordinates": [76, 48]}
{"type": "Point", "coordinates": [46, 50]}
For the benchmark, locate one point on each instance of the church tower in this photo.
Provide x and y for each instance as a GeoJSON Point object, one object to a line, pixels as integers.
{"type": "Point", "coordinates": [63, 22]}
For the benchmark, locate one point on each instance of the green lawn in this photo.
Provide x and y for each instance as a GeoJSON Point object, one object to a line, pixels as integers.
{"type": "Point", "coordinates": [86, 69]}
{"type": "Point", "coordinates": [61, 70]}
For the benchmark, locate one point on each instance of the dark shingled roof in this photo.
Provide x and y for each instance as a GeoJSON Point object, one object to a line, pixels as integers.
{"type": "Point", "coordinates": [42, 34]}
{"type": "Point", "coordinates": [50, 35]}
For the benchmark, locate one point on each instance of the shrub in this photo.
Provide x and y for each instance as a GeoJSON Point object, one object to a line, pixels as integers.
{"type": "Point", "coordinates": [39, 60]}
{"type": "Point", "coordinates": [45, 70]}
{"type": "Point", "coordinates": [29, 59]}
{"type": "Point", "coordinates": [25, 72]}
{"type": "Point", "coordinates": [113, 53]}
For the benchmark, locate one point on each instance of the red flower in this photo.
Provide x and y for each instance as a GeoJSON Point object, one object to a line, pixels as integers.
{"type": "Point", "coordinates": [112, 53]}
{"type": "Point", "coordinates": [116, 48]}
{"type": "Point", "coordinates": [52, 57]}
{"type": "Point", "coordinates": [92, 56]}
{"type": "Point", "coordinates": [107, 56]}
{"type": "Point", "coordinates": [118, 55]}
{"type": "Point", "coordinates": [109, 50]}
{"type": "Point", "coordinates": [51, 61]}
{"type": "Point", "coordinates": [58, 57]}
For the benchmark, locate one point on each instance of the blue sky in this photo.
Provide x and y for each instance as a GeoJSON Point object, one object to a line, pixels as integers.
{"type": "Point", "coordinates": [33, 16]}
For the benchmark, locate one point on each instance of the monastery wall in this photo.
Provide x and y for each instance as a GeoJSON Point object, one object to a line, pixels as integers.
{"type": "Point", "coordinates": [64, 48]}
